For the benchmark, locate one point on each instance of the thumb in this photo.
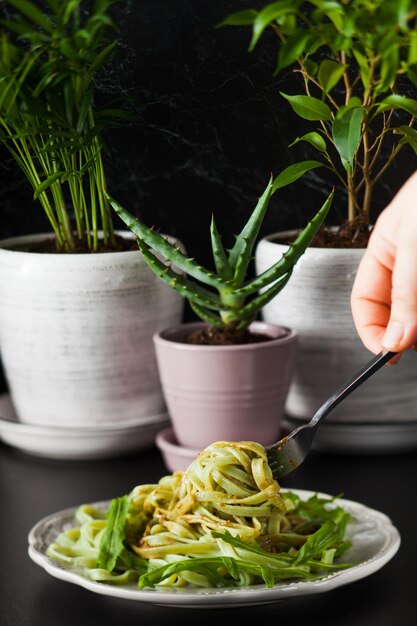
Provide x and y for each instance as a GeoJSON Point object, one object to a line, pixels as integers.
{"type": "Point", "coordinates": [401, 331]}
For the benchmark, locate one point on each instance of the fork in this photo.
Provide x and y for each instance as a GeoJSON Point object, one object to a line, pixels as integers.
{"type": "Point", "coordinates": [288, 454]}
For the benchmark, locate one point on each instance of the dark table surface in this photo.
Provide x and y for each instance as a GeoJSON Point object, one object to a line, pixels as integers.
{"type": "Point", "coordinates": [31, 488]}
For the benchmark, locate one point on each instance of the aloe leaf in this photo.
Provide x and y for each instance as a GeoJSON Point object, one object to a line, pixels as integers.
{"type": "Point", "coordinates": [167, 250]}
{"type": "Point", "coordinates": [249, 311]}
{"type": "Point", "coordinates": [207, 316]}
{"type": "Point", "coordinates": [290, 258]}
{"type": "Point", "coordinates": [219, 255]}
{"type": "Point", "coordinates": [240, 254]}
{"type": "Point", "coordinates": [186, 288]}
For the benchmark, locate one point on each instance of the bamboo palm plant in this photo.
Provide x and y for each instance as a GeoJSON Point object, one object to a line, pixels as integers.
{"type": "Point", "coordinates": [48, 119]}
{"type": "Point", "coordinates": [224, 297]}
{"type": "Point", "coordinates": [357, 60]}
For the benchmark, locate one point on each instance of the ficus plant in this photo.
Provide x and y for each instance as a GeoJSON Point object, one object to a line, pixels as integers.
{"type": "Point", "coordinates": [225, 297]}
{"type": "Point", "coordinates": [49, 122]}
{"type": "Point", "coordinates": [356, 59]}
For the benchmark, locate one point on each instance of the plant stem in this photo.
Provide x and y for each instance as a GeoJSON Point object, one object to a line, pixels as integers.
{"type": "Point", "coordinates": [351, 197]}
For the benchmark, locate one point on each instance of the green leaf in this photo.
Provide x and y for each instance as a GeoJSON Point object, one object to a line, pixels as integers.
{"type": "Point", "coordinates": [219, 255]}
{"type": "Point", "coordinates": [240, 18]}
{"type": "Point", "coordinates": [207, 316]}
{"type": "Point", "coordinates": [292, 49]}
{"type": "Point", "coordinates": [412, 50]}
{"type": "Point", "coordinates": [32, 12]}
{"type": "Point", "coordinates": [166, 249]}
{"type": "Point", "coordinates": [311, 67]}
{"type": "Point", "coordinates": [364, 67]}
{"type": "Point", "coordinates": [313, 138]}
{"type": "Point", "coordinates": [326, 537]}
{"type": "Point", "coordinates": [329, 74]}
{"type": "Point", "coordinates": [309, 108]}
{"type": "Point", "coordinates": [47, 183]}
{"type": "Point", "coordinates": [389, 68]}
{"type": "Point", "coordinates": [346, 132]}
{"type": "Point", "coordinates": [249, 311]}
{"type": "Point", "coordinates": [334, 12]}
{"type": "Point", "coordinates": [185, 287]}
{"type": "Point", "coordinates": [409, 136]}
{"type": "Point", "coordinates": [241, 252]}
{"type": "Point", "coordinates": [67, 48]}
{"type": "Point", "coordinates": [83, 112]}
{"type": "Point", "coordinates": [112, 542]}
{"type": "Point", "coordinates": [291, 257]}
{"type": "Point", "coordinates": [395, 101]}
{"type": "Point", "coordinates": [103, 56]}
{"type": "Point", "coordinates": [412, 73]}
{"type": "Point", "coordinates": [294, 172]}
{"type": "Point", "coordinates": [270, 14]}
{"type": "Point", "coordinates": [213, 568]}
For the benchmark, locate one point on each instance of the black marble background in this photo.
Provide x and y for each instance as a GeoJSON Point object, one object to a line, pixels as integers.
{"type": "Point", "coordinates": [209, 127]}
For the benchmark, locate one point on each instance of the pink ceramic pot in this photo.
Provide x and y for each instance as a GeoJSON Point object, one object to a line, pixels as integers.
{"type": "Point", "coordinates": [230, 393]}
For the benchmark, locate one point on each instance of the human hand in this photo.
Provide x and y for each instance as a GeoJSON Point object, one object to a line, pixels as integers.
{"type": "Point", "coordinates": [384, 295]}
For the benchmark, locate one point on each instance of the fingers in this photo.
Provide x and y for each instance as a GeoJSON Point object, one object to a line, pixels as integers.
{"type": "Point", "coordinates": [384, 296]}
{"type": "Point", "coordinates": [371, 294]}
{"type": "Point", "coordinates": [401, 332]}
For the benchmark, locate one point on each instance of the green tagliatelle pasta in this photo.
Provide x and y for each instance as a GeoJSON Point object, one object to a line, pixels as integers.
{"type": "Point", "coordinates": [223, 522]}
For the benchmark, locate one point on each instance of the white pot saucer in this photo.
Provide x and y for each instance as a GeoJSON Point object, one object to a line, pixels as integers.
{"type": "Point", "coordinates": [365, 438]}
{"type": "Point", "coordinates": [94, 442]}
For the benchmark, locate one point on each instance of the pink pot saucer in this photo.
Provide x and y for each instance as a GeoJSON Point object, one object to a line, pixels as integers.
{"type": "Point", "coordinates": [175, 457]}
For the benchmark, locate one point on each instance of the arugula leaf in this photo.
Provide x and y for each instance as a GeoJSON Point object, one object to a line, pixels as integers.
{"type": "Point", "coordinates": [326, 537]}
{"type": "Point", "coordinates": [249, 546]}
{"type": "Point", "coordinates": [212, 568]}
{"type": "Point", "coordinates": [112, 545]}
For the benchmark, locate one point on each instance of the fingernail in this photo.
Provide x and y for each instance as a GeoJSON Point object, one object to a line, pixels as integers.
{"type": "Point", "coordinates": [393, 335]}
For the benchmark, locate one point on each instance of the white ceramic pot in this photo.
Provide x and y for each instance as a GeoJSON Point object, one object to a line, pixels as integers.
{"type": "Point", "coordinates": [76, 334]}
{"type": "Point", "coordinates": [316, 303]}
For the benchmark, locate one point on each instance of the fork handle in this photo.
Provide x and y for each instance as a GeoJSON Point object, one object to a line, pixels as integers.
{"type": "Point", "coordinates": [346, 389]}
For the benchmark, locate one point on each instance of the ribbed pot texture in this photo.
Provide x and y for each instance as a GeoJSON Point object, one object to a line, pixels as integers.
{"type": "Point", "coordinates": [316, 302]}
{"type": "Point", "coordinates": [229, 393]}
{"type": "Point", "coordinates": [76, 334]}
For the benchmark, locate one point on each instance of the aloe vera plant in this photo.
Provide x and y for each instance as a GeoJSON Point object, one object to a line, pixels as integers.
{"type": "Point", "coordinates": [224, 297]}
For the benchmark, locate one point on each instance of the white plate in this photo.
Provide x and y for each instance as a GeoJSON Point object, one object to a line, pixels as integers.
{"type": "Point", "coordinates": [374, 542]}
{"type": "Point", "coordinates": [355, 438]}
{"type": "Point", "coordinates": [56, 442]}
